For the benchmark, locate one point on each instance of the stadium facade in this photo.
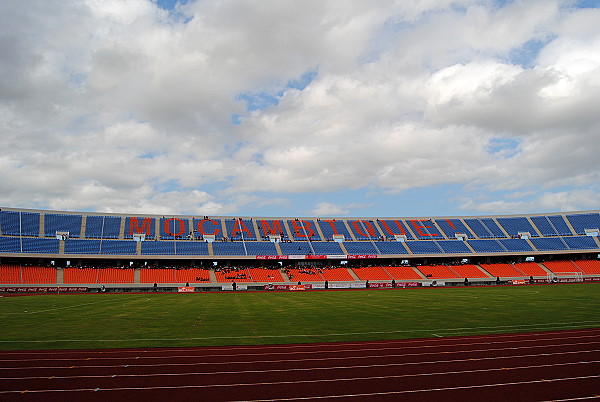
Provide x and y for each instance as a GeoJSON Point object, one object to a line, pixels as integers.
{"type": "Point", "coordinates": [63, 241]}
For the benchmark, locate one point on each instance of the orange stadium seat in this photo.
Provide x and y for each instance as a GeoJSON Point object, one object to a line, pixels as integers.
{"type": "Point", "coordinates": [438, 272]}
{"type": "Point", "coordinates": [10, 274]}
{"type": "Point", "coordinates": [531, 269]}
{"type": "Point", "coordinates": [503, 270]}
{"type": "Point", "coordinates": [403, 273]}
{"type": "Point", "coordinates": [80, 275]}
{"type": "Point", "coordinates": [469, 271]}
{"type": "Point", "coordinates": [192, 275]}
{"type": "Point", "coordinates": [304, 275]}
{"type": "Point", "coordinates": [265, 275]}
{"type": "Point", "coordinates": [115, 275]}
{"type": "Point", "coordinates": [41, 275]}
{"type": "Point", "coordinates": [562, 267]}
{"type": "Point", "coordinates": [371, 274]}
{"type": "Point", "coordinates": [588, 267]}
{"type": "Point", "coordinates": [157, 275]}
{"type": "Point", "coordinates": [337, 274]}
{"type": "Point", "coordinates": [228, 275]}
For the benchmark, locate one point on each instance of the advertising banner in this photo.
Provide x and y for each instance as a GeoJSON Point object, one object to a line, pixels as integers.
{"type": "Point", "coordinates": [185, 289]}
{"type": "Point", "coordinates": [297, 287]}
{"type": "Point", "coordinates": [271, 257]}
{"type": "Point", "coordinates": [408, 284]}
{"type": "Point", "coordinates": [32, 289]}
{"type": "Point", "coordinates": [360, 256]}
{"type": "Point", "coordinates": [376, 285]}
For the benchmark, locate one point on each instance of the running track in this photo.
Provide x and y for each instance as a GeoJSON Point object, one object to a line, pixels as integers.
{"type": "Point", "coordinates": [541, 366]}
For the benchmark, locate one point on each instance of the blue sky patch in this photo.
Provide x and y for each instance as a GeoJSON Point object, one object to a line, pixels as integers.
{"type": "Point", "coordinates": [263, 100]}
{"type": "Point", "coordinates": [504, 147]}
{"type": "Point", "coordinates": [526, 55]}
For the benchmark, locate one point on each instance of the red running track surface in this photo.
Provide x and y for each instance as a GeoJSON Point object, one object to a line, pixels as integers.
{"type": "Point", "coordinates": [541, 366]}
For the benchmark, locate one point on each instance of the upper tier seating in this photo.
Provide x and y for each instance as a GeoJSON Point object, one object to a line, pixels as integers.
{"type": "Point", "coordinates": [329, 227]}
{"type": "Point", "coordinates": [78, 246]}
{"type": "Point", "coordinates": [296, 248]}
{"type": "Point", "coordinates": [394, 227]}
{"type": "Point", "coordinates": [360, 247]}
{"type": "Point", "coordinates": [174, 228]}
{"type": "Point", "coordinates": [424, 229]}
{"type": "Point", "coordinates": [484, 227]}
{"type": "Point", "coordinates": [514, 225]}
{"type": "Point", "coordinates": [118, 247]}
{"type": "Point", "coordinates": [159, 247]}
{"type": "Point", "coordinates": [240, 229]}
{"type": "Point", "coordinates": [140, 225]}
{"type": "Point", "coordinates": [519, 245]}
{"type": "Point", "coordinates": [14, 223]}
{"type": "Point", "coordinates": [391, 247]}
{"type": "Point", "coordinates": [486, 246]}
{"type": "Point", "coordinates": [553, 225]}
{"type": "Point", "coordinates": [327, 248]}
{"type": "Point", "coordinates": [364, 230]}
{"type": "Point", "coordinates": [228, 248]}
{"type": "Point", "coordinates": [261, 248]}
{"type": "Point", "coordinates": [454, 246]}
{"type": "Point", "coordinates": [62, 223]}
{"type": "Point", "coordinates": [580, 222]}
{"type": "Point", "coordinates": [304, 229]}
{"type": "Point", "coordinates": [452, 227]}
{"type": "Point", "coordinates": [191, 248]}
{"type": "Point", "coordinates": [36, 245]}
{"type": "Point", "coordinates": [208, 226]}
{"type": "Point", "coordinates": [102, 227]}
{"type": "Point", "coordinates": [424, 247]}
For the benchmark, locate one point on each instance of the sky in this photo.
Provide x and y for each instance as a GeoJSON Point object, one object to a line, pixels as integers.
{"type": "Point", "coordinates": [280, 108]}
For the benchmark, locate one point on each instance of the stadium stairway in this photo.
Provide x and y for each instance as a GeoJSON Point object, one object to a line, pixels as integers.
{"type": "Point", "coordinates": [284, 275]}
{"type": "Point", "coordinates": [353, 274]}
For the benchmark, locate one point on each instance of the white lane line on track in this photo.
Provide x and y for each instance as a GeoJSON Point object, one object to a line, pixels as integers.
{"type": "Point", "coordinates": [213, 373]}
{"type": "Point", "coordinates": [286, 383]}
{"type": "Point", "coordinates": [426, 390]}
{"type": "Point", "coordinates": [316, 351]}
{"type": "Point", "coordinates": [451, 331]}
{"type": "Point", "coordinates": [327, 345]}
{"type": "Point", "coordinates": [581, 398]}
{"type": "Point", "coordinates": [320, 360]}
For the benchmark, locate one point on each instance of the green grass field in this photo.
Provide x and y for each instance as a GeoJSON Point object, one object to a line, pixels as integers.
{"type": "Point", "coordinates": [204, 319]}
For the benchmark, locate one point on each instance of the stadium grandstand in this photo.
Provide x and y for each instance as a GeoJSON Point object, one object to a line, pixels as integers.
{"type": "Point", "coordinates": [51, 249]}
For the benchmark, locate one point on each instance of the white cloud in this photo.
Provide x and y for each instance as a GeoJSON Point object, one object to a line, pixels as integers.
{"type": "Point", "coordinates": [113, 105]}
